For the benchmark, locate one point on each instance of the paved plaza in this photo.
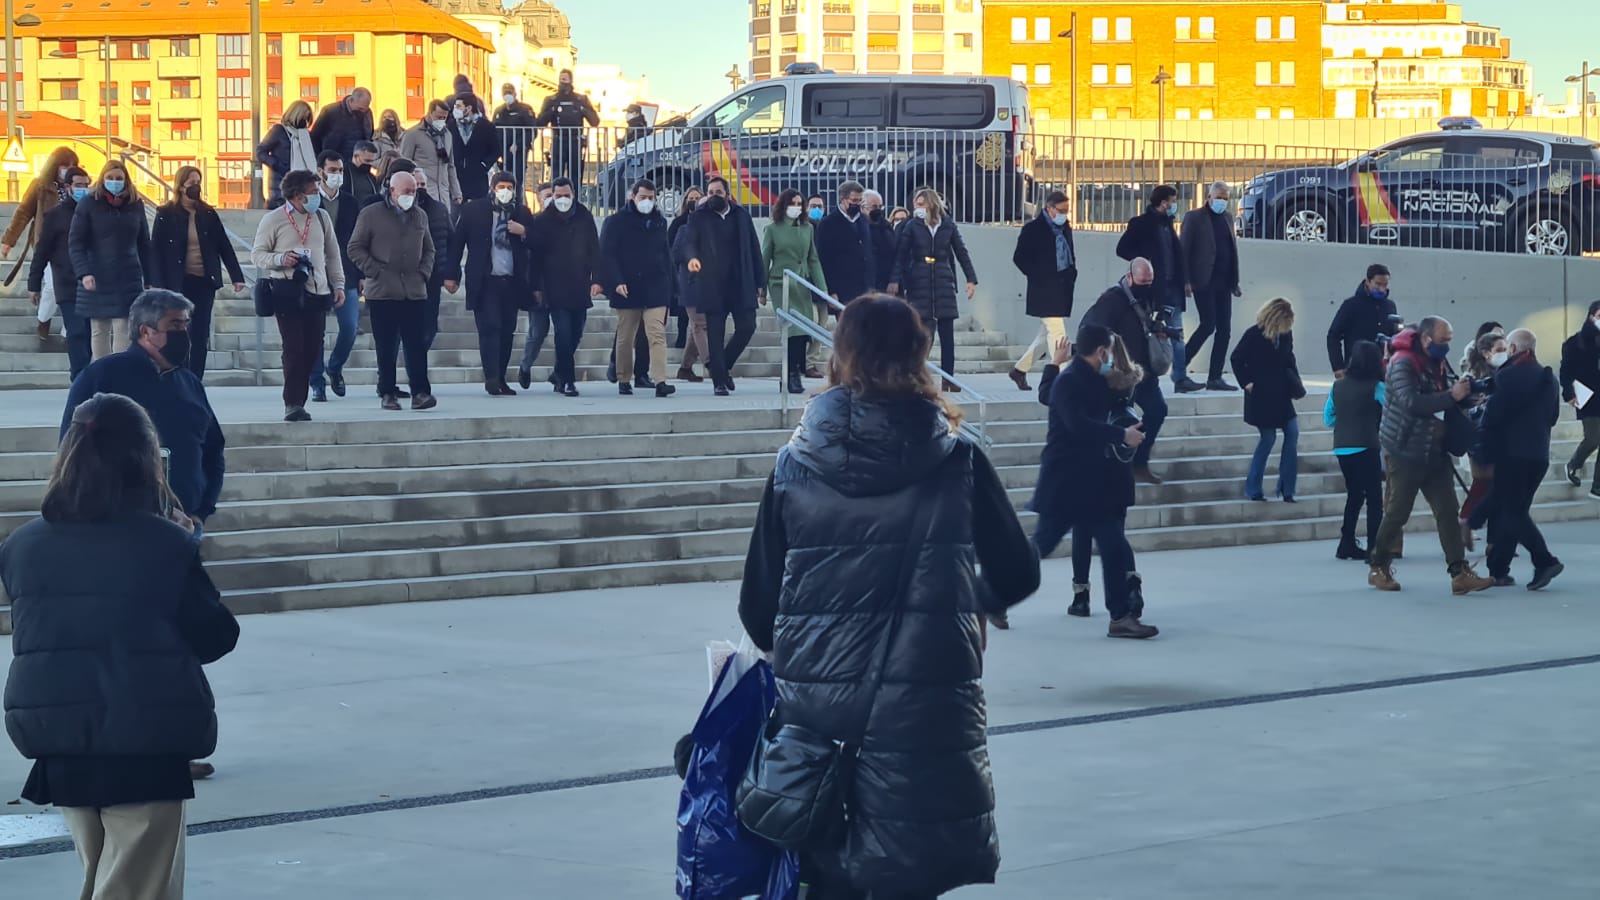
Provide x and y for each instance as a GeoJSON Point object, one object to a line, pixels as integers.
{"type": "Point", "coordinates": [358, 745]}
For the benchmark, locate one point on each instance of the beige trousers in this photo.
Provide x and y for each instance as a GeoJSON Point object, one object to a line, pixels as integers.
{"type": "Point", "coordinates": [1051, 330]}
{"type": "Point", "coordinates": [131, 852]}
{"type": "Point", "coordinates": [108, 336]}
{"type": "Point", "coordinates": [695, 349]}
{"type": "Point", "coordinates": [654, 322]}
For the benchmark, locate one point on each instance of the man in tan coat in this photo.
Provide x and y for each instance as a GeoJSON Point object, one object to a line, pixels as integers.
{"type": "Point", "coordinates": [393, 248]}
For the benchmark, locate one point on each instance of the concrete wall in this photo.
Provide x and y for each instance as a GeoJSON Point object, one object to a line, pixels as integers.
{"type": "Point", "coordinates": [1549, 295]}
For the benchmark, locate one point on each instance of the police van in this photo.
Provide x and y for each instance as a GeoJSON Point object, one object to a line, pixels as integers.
{"type": "Point", "coordinates": [966, 137]}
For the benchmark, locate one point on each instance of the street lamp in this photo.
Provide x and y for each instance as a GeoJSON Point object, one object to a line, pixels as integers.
{"type": "Point", "coordinates": [105, 82]}
{"type": "Point", "coordinates": [734, 76]}
{"type": "Point", "coordinates": [1582, 79]}
{"type": "Point", "coordinates": [1071, 34]}
{"type": "Point", "coordinates": [1160, 81]}
{"type": "Point", "coordinates": [257, 200]}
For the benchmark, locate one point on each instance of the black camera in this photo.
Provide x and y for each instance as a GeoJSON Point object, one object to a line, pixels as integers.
{"type": "Point", "coordinates": [303, 265]}
{"type": "Point", "coordinates": [1483, 386]}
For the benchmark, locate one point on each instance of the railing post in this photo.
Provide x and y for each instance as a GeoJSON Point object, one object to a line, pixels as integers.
{"type": "Point", "coordinates": [783, 350]}
{"type": "Point", "coordinates": [260, 328]}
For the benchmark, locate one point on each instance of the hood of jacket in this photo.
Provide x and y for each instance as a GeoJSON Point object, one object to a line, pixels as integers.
{"type": "Point", "coordinates": [866, 447]}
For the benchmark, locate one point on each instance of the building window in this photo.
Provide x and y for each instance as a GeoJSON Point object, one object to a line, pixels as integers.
{"type": "Point", "coordinates": [1286, 73]}
{"type": "Point", "coordinates": [182, 89]}
{"type": "Point", "coordinates": [343, 86]}
{"type": "Point", "coordinates": [233, 136]}
{"type": "Point", "coordinates": [1041, 30]}
{"type": "Point", "coordinates": [1019, 30]}
{"type": "Point", "coordinates": [311, 91]}
{"type": "Point", "coordinates": [883, 42]}
{"type": "Point", "coordinates": [183, 131]}
{"type": "Point", "coordinates": [328, 45]}
{"type": "Point", "coordinates": [833, 43]}
{"type": "Point", "coordinates": [1124, 29]}
{"type": "Point", "coordinates": [275, 45]}
{"type": "Point", "coordinates": [792, 7]}
{"type": "Point", "coordinates": [1263, 28]}
{"type": "Point", "coordinates": [1124, 113]}
{"type": "Point", "coordinates": [1098, 114]}
{"type": "Point", "coordinates": [1041, 74]}
{"type": "Point", "coordinates": [790, 44]}
{"type": "Point", "coordinates": [139, 50]}
{"type": "Point", "coordinates": [1100, 30]}
{"type": "Point", "coordinates": [112, 99]}
{"type": "Point", "coordinates": [964, 41]}
{"type": "Point", "coordinates": [1184, 75]}
{"type": "Point", "coordinates": [1286, 28]}
{"type": "Point", "coordinates": [1263, 112]}
{"type": "Point", "coordinates": [274, 90]}
{"type": "Point", "coordinates": [1182, 112]}
{"type": "Point", "coordinates": [1286, 112]}
{"type": "Point", "coordinates": [927, 42]}
{"type": "Point", "coordinates": [1208, 28]}
{"type": "Point", "coordinates": [1208, 75]}
{"type": "Point", "coordinates": [145, 132]}
{"type": "Point", "coordinates": [233, 51]}
{"type": "Point", "coordinates": [1206, 113]}
{"type": "Point", "coordinates": [763, 10]}
{"type": "Point", "coordinates": [1185, 26]}
{"type": "Point", "coordinates": [764, 45]}
{"type": "Point", "coordinates": [233, 94]}
{"type": "Point", "coordinates": [1099, 73]}
{"type": "Point", "coordinates": [1263, 73]}
{"type": "Point", "coordinates": [180, 47]}
{"type": "Point", "coordinates": [1124, 73]}
{"type": "Point", "coordinates": [1019, 72]}
{"type": "Point", "coordinates": [141, 92]}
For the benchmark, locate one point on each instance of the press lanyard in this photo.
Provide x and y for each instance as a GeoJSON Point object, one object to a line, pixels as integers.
{"type": "Point", "coordinates": [304, 234]}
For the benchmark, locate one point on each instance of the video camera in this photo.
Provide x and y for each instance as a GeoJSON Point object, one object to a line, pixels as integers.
{"type": "Point", "coordinates": [1388, 328]}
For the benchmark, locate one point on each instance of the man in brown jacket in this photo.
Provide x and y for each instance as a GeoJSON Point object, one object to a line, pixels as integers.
{"type": "Point", "coordinates": [393, 248]}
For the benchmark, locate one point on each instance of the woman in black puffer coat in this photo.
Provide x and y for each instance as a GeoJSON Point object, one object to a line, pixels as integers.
{"type": "Point", "coordinates": [110, 245]}
{"type": "Point", "coordinates": [927, 251]}
{"type": "Point", "coordinates": [862, 581]}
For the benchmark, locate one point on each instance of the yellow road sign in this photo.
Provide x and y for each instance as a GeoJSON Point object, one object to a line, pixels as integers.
{"type": "Point", "coordinates": [15, 158]}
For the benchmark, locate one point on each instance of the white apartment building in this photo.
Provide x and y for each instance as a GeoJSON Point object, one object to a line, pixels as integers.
{"type": "Point", "coordinates": [925, 37]}
{"type": "Point", "coordinates": [532, 43]}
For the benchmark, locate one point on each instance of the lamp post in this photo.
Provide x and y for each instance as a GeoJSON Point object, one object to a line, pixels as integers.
{"type": "Point", "coordinates": [1071, 34]}
{"type": "Point", "coordinates": [1582, 80]}
{"type": "Point", "coordinates": [105, 82]}
{"type": "Point", "coordinates": [257, 200]}
{"type": "Point", "coordinates": [1160, 81]}
{"type": "Point", "coordinates": [734, 76]}
{"type": "Point", "coordinates": [26, 20]}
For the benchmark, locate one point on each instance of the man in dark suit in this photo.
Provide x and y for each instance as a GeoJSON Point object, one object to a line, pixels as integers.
{"type": "Point", "coordinates": [882, 238]}
{"type": "Point", "coordinates": [566, 245]}
{"type": "Point", "coordinates": [1046, 256]}
{"type": "Point", "coordinates": [726, 276]}
{"type": "Point", "coordinates": [1150, 237]}
{"type": "Point", "coordinates": [344, 123]}
{"type": "Point", "coordinates": [847, 252]}
{"type": "Point", "coordinates": [50, 249]}
{"type": "Point", "coordinates": [1211, 258]}
{"type": "Point", "coordinates": [342, 207]}
{"type": "Point", "coordinates": [1525, 406]}
{"type": "Point", "coordinates": [493, 231]}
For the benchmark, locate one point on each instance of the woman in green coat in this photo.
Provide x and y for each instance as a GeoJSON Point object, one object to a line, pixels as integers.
{"type": "Point", "coordinates": [790, 243]}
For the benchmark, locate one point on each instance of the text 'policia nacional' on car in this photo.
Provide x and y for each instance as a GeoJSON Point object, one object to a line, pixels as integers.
{"type": "Point", "coordinates": [1461, 187]}
{"type": "Point", "coordinates": [965, 137]}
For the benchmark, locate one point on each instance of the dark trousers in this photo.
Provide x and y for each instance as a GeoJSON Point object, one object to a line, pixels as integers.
{"type": "Point", "coordinates": [566, 157]}
{"type": "Point", "coordinates": [1516, 481]}
{"type": "Point", "coordinates": [796, 355]}
{"type": "Point", "coordinates": [1363, 487]}
{"type": "Point", "coordinates": [568, 325]}
{"type": "Point", "coordinates": [204, 297]}
{"type": "Point", "coordinates": [398, 324]}
{"type": "Point", "coordinates": [945, 331]}
{"type": "Point", "coordinates": [302, 342]}
{"type": "Point", "coordinates": [1083, 554]}
{"type": "Point", "coordinates": [1216, 318]}
{"type": "Point", "coordinates": [430, 325]}
{"type": "Point", "coordinates": [725, 356]}
{"type": "Point", "coordinates": [683, 329]}
{"type": "Point", "coordinates": [1109, 534]}
{"type": "Point", "coordinates": [76, 330]}
{"type": "Point", "coordinates": [1153, 407]}
{"type": "Point", "coordinates": [495, 315]}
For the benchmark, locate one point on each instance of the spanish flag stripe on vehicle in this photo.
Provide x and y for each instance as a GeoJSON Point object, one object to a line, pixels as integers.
{"type": "Point", "coordinates": [718, 158]}
{"type": "Point", "coordinates": [1375, 205]}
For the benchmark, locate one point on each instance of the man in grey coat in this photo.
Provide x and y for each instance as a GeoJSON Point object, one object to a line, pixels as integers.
{"type": "Point", "coordinates": [394, 250]}
{"type": "Point", "coordinates": [1211, 259]}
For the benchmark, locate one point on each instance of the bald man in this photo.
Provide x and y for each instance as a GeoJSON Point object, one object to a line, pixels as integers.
{"type": "Point", "coordinates": [1127, 309]}
{"type": "Point", "coordinates": [393, 247]}
{"type": "Point", "coordinates": [343, 124]}
{"type": "Point", "coordinates": [1524, 407]}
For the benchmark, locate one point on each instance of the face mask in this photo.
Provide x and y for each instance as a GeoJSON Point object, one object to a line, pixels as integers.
{"type": "Point", "coordinates": [1172, 212]}
{"type": "Point", "coordinates": [876, 215]}
{"type": "Point", "coordinates": [334, 182]}
{"type": "Point", "coordinates": [920, 213]}
{"type": "Point", "coordinates": [794, 212]}
{"type": "Point", "coordinates": [1059, 219]}
{"type": "Point", "coordinates": [1499, 359]}
{"type": "Point", "coordinates": [1105, 367]}
{"type": "Point", "coordinates": [461, 115]}
{"type": "Point", "coordinates": [566, 87]}
{"type": "Point", "coordinates": [718, 205]}
{"type": "Point", "coordinates": [509, 98]}
{"type": "Point", "coordinates": [1439, 350]}
{"type": "Point", "coordinates": [405, 202]}
{"type": "Point", "coordinates": [645, 207]}
{"type": "Point", "coordinates": [504, 195]}
{"type": "Point", "coordinates": [436, 124]}
{"type": "Point", "coordinates": [1219, 206]}
{"type": "Point", "coordinates": [814, 214]}
{"type": "Point", "coordinates": [61, 174]}
{"type": "Point", "coordinates": [115, 186]}
{"type": "Point", "coordinates": [563, 204]}
{"type": "Point", "coordinates": [176, 350]}
{"type": "Point", "coordinates": [78, 193]}
{"type": "Point", "coordinates": [853, 210]}
{"type": "Point", "coordinates": [192, 192]}
{"type": "Point", "coordinates": [1378, 293]}
{"type": "Point", "coordinates": [313, 203]}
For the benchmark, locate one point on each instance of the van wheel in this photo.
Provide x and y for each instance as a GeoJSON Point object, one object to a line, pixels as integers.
{"type": "Point", "coordinates": [1307, 222]}
{"type": "Point", "coordinates": [1545, 233]}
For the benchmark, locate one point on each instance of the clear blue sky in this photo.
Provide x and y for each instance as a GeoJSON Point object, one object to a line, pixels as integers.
{"type": "Point", "coordinates": [685, 46]}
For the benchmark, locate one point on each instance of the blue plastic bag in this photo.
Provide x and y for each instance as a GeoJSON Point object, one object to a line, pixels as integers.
{"type": "Point", "coordinates": [717, 858]}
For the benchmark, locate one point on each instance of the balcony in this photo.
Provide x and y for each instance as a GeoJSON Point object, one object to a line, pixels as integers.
{"type": "Point", "coordinates": [927, 23]}
{"type": "Point", "coordinates": [49, 67]}
{"type": "Point", "coordinates": [179, 108]}
{"type": "Point", "coordinates": [178, 67]}
{"type": "Point", "coordinates": [837, 8]}
{"type": "Point", "coordinates": [67, 109]}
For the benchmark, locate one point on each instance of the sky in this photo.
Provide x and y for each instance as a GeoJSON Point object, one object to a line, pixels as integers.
{"type": "Point", "coordinates": [685, 46]}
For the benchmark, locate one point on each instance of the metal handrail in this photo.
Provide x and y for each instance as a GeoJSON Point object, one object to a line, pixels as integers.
{"type": "Point", "coordinates": [979, 433]}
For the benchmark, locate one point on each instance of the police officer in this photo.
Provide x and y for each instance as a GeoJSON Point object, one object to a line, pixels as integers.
{"type": "Point", "coordinates": [567, 111]}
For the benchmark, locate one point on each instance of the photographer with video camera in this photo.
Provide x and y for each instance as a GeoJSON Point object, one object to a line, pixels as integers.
{"type": "Point", "coordinates": [1368, 315]}
{"type": "Point", "coordinates": [1130, 310]}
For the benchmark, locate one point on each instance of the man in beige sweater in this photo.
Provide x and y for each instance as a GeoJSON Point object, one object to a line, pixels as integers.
{"type": "Point", "coordinates": [392, 247]}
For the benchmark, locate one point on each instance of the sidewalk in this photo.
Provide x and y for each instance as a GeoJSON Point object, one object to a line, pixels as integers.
{"type": "Point", "coordinates": [1483, 786]}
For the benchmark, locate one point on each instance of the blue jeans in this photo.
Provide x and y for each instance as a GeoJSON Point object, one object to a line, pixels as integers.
{"type": "Point", "coordinates": [76, 330]}
{"type": "Point", "coordinates": [538, 330]}
{"type": "Point", "coordinates": [1180, 359]}
{"type": "Point", "coordinates": [1288, 467]}
{"type": "Point", "coordinates": [1110, 535]}
{"type": "Point", "coordinates": [349, 318]}
{"type": "Point", "coordinates": [1153, 407]}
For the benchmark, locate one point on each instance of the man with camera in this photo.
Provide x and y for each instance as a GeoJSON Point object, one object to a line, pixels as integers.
{"type": "Point", "coordinates": [1151, 237]}
{"type": "Point", "coordinates": [1130, 308]}
{"type": "Point", "coordinates": [1420, 401]}
{"type": "Point", "coordinates": [1524, 405]}
{"type": "Point", "coordinates": [1368, 315]}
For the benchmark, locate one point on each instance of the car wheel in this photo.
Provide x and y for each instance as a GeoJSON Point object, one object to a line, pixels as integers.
{"type": "Point", "coordinates": [1545, 233]}
{"type": "Point", "coordinates": [1306, 222]}
{"type": "Point", "coordinates": [669, 192]}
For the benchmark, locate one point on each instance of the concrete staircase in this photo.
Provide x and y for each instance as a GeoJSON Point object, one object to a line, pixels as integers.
{"type": "Point", "coordinates": [331, 514]}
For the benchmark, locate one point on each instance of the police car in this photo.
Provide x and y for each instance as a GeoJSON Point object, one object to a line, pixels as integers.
{"type": "Point", "coordinates": [1461, 187]}
{"type": "Point", "coordinates": [811, 130]}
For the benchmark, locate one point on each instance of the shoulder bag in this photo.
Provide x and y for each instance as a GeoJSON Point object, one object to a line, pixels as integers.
{"type": "Point", "coordinates": [1156, 339]}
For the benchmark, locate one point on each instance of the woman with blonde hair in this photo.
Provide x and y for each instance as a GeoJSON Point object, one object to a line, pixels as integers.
{"type": "Point", "coordinates": [1264, 363]}
{"type": "Point", "coordinates": [927, 251]}
{"type": "Point", "coordinates": [288, 147]}
{"type": "Point", "coordinates": [110, 246]}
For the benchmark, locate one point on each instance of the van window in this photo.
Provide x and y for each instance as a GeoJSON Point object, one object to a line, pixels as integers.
{"type": "Point", "coordinates": [944, 105]}
{"type": "Point", "coordinates": [758, 112]}
{"type": "Point", "coordinates": [846, 106]}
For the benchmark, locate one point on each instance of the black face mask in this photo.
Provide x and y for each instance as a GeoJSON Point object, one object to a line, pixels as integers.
{"type": "Point", "coordinates": [853, 209]}
{"type": "Point", "coordinates": [566, 88]}
{"type": "Point", "coordinates": [876, 215]}
{"type": "Point", "coordinates": [192, 192]}
{"type": "Point", "coordinates": [176, 350]}
{"type": "Point", "coordinates": [718, 205]}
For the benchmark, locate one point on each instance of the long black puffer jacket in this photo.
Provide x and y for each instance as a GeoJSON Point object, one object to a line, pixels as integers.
{"type": "Point", "coordinates": [930, 286]}
{"type": "Point", "coordinates": [112, 243]}
{"type": "Point", "coordinates": [863, 659]}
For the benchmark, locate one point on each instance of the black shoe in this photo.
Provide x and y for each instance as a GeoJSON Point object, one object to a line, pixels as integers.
{"type": "Point", "coordinates": [1129, 626]}
{"type": "Point", "coordinates": [525, 378]}
{"type": "Point", "coordinates": [643, 383]}
{"type": "Point", "coordinates": [336, 381]}
{"type": "Point", "coordinates": [297, 414]}
{"type": "Point", "coordinates": [403, 395]}
{"type": "Point", "coordinates": [797, 384]}
{"type": "Point", "coordinates": [727, 382]}
{"type": "Point", "coordinates": [506, 390]}
{"type": "Point", "coordinates": [1543, 576]}
{"type": "Point", "coordinates": [1349, 549]}
{"type": "Point", "coordinates": [1080, 602]}
{"type": "Point", "coordinates": [1217, 384]}
{"type": "Point", "coordinates": [1189, 386]}
{"type": "Point", "coordinates": [665, 390]}
{"type": "Point", "coordinates": [1503, 581]}
{"type": "Point", "coordinates": [625, 389]}
{"type": "Point", "coordinates": [319, 395]}
{"type": "Point", "coordinates": [1575, 476]}
{"type": "Point", "coordinates": [556, 385]}
{"type": "Point", "coordinates": [570, 389]}
{"type": "Point", "coordinates": [611, 372]}
{"type": "Point", "coordinates": [491, 388]}
{"type": "Point", "coordinates": [721, 390]}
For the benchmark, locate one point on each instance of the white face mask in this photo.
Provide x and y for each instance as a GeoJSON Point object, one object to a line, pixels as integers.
{"type": "Point", "coordinates": [461, 115]}
{"type": "Point", "coordinates": [645, 207]}
{"type": "Point", "coordinates": [1499, 359]}
{"type": "Point", "coordinates": [920, 212]}
{"type": "Point", "coordinates": [793, 212]}
{"type": "Point", "coordinates": [504, 195]}
{"type": "Point", "coordinates": [436, 124]}
{"type": "Point", "coordinates": [334, 182]}
{"type": "Point", "coordinates": [563, 204]}
{"type": "Point", "coordinates": [509, 98]}
{"type": "Point", "coordinates": [405, 201]}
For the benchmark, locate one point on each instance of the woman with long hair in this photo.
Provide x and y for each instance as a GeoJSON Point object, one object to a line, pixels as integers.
{"type": "Point", "coordinates": [863, 583]}
{"type": "Point", "coordinates": [106, 693]}
{"type": "Point", "coordinates": [430, 144]}
{"type": "Point", "coordinates": [691, 322]}
{"type": "Point", "coordinates": [288, 148]}
{"type": "Point", "coordinates": [47, 191]}
{"type": "Point", "coordinates": [790, 243]}
{"type": "Point", "coordinates": [927, 251]}
{"type": "Point", "coordinates": [1355, 411]}
{"type": "Point", "coordinates": [110, 246]}
{"type": "Point", "coordinates": [190, 254]}
{"type": "Point", "coordinates": [1483, 358]}
{"type": "Point", "coordinates": [388, 134]}
{"type": "Point", "coordinates": [1264, 363]}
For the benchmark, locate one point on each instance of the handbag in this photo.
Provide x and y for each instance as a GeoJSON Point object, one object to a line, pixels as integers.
{"type": "Point", "coordinates": [273, 294]}
{"type": "Point", "coordinates": [796, 791]}
{"type": "Point", "coordinates": [1157, 341]}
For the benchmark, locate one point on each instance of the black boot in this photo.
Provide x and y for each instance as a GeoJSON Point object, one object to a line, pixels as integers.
{"type": "Point", "coordinates": [1080, 601]}
{"type": "Point", "coordinates": [797, 384]}
{"type": "Point", "coordinates": [1135, 595]}
{"type": "Point", "coordinates": [1349, 549]}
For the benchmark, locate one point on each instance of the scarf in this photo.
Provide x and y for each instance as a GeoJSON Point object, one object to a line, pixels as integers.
{"type": "Point", "coordinates": [1063, 249]}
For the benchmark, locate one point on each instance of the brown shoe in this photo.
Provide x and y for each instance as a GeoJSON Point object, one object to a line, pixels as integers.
{"type": "Point", "coordinates": [687, 374]}
{"type": "Point", "coordinates": [1143, 475]}
{"type": "Point", "coordinates": [43, 331]}
{"type": "Point", "coordinates": [421, 401]}
{"type": "Point", "coordinates": [1382, 578]}
{"type": "Point", "coordinates": [1466, 581]}
{"type": "Point", "coordinates": [391, 403]}
{"type": "Point", "coordinates": [1130, 627]}
{"type": "Point", "coordinates": [813, 372]}
{"type": "Point", "coordinates": [1021, 379]}
{"type": "Point", "coordinates": [199, 771]}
